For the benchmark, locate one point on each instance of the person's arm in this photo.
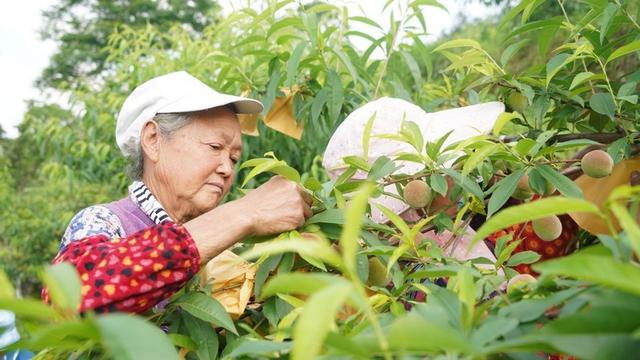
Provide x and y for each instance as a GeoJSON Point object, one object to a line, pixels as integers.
{"type": "Point", "coordinates": [134, 273]}
{"type": "Point", "coordinates": [276, 206]}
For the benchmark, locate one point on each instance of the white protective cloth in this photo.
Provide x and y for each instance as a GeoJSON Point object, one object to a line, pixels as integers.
{"type": "Point", "coordinates": [464, 122]}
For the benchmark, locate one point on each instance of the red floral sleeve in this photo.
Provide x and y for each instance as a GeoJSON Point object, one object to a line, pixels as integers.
{"type": "Point", "coordinates": [132, 274]}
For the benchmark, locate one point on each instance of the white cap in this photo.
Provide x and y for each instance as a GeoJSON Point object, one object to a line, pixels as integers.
{"type": "Point", "coordinates": [465, 122]}
{"type": "Point", "coordinates": [176, 92]}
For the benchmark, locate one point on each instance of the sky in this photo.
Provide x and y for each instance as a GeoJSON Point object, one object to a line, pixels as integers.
{"type": "Point", "coordinates": [23, 55]}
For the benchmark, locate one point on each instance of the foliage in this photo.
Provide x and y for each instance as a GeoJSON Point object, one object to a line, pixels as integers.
{"type": "Point", "coordinates": [81, 30]}
{"type": "Point", "coordinates": [314, 298]}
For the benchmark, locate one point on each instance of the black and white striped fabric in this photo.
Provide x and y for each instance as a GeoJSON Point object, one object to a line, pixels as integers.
{"type": "Point", "coordinates": [140, 194]}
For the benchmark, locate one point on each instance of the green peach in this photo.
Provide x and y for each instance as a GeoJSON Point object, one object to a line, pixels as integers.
{"type": "Point", "coordinates": [517, 101]}
{"type": "Point", "coordinates": [548, 228]}
{"type": "Point", "coordinates": [417, 194]}
{"type": "Point", "coordinates": [597, 164]}
{"type": "Point", "coordinates": [523, 190]}
{"type": "Point", "coordinates": [377, 273]}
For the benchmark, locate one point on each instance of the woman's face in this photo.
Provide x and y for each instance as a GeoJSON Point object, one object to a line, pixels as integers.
{"type": "Point", "coordinates": [196, 164]}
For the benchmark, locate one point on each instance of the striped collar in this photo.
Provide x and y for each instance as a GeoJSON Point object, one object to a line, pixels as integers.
{"type": "Point", "coordinates": [140, 194]}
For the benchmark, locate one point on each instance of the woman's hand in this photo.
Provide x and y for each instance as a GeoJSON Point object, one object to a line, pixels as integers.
{"type": "Point", "coordinates": [277, 206]}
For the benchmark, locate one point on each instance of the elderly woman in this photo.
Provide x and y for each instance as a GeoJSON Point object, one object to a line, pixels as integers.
{"type": "Point", "coordinates": [184, 141]}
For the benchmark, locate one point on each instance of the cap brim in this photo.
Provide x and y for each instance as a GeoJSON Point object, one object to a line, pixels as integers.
{"type": "Point", "coordinates": [241, 105]}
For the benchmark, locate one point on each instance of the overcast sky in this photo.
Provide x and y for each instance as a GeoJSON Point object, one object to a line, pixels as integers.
{"type": "Point", "coordinates": [23, 55]}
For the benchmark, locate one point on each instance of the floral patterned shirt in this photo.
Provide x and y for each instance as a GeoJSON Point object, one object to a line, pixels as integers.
{"type": "Point", "coordinates": [127, 273]}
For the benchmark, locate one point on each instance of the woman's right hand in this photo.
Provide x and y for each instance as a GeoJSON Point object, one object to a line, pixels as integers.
{"type": "Point", "coordinates": [276, 206]}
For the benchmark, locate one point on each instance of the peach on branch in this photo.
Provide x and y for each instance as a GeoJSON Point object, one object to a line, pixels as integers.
{"type": "Point", "coordinates": [377, 273]}
{"type": "Point", "coordinates": [517, 101]}
{"type": "Point", "coordinates": [417, 194]}
{"type": "Point", "coordinates": [523, 190]}
{"type": "Point", "coordinates": [597, 164]}
{"type": "Point", "coordinates": [547, 228]}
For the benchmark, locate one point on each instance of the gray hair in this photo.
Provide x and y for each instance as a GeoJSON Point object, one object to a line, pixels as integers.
{"type": "Point", "coordinates": [167, 124]}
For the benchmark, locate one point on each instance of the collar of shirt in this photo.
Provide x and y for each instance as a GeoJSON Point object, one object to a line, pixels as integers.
{"type": "Point", "coordinates": [142, 196]}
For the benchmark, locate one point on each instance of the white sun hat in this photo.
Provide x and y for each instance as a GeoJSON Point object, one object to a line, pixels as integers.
{"type": "Point", "coordinates": [464, 123]}
{"type": "Point", "coordinates": [176, 92]}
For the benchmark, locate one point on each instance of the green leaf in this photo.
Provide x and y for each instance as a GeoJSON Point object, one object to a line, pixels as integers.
{"type": "Point", "coordinates": [298, 283]}
{"type": "Point", "coordinates": [279, 167]}
{"type": "Point", "coordinates": [365, 20]}
{"type": "Point", "coordinates": [292, 64]}
{"type": "Point", "coordinates": [203, 335]}
{"type": "Point", "coordinates": [555, 205]}
{"type": "Point", "coordinates": [336, 95]}
{"type": "Point", "coordinates": [531, 309]}
{"type": "Point", "coordinates": [466, 183]}
{"type": "Point", "coordinates": [247, 346]}
{"type": "Point", "coordinates": [183, 341]}
{"type": "Point", "coordinates": [511, 50]}
{"type": "Point", "coordinates": [316, 249]}
{"type": "Point", "coordinates": [603, 103]}
{"type": "Point", "coordinates": [206, 308]}
{"type": "Point", "coordinates": [29, 309]}
{"type": "Point", "coordinates": [580, 78]}
{"type": "Point", "coordinates": [64, 284]}
{"type": "Point", "coordinates": [344, 59]}
{"type": "Point", "coordinates": [351, 230]}
{"type": "Point", "coordinates": [329, 216]}
{"type": "Point", "coordinates": [565, 185]}
{"type": "Point", "coordinates": [7, 291]}
{"type": "Point", "coordinates": [459, 43]}
{"type": "Point", "coordinates": [504, 190]}
{"type": "Point", "coordinates": [492, 328]}
{"type": "Point", "coordinates": [394, 218]}
{"type": "Point", "coordinates": [624, 50]}
{"type": "Point", "coordinates": [63, 335]}
{"type": "Point", "coordinates": [478, 156]}
{"type": "Point", "coordinates": [556, 64]}
{"type": "Point", "coordinates": [414, 69]}
{"type": "Point", "coordinates": [318, 103]}
{"type": "Point", "coordinates": [608, 15]}
{"type": "Point", "coordinates": [599, 269]}
{"type": "Point", "coordinates": [366, 135]}
{"type": "Point", "coordinates": [466, 290]}
{"type": "Point", "coordinates": [409, 333]}
{"type": "Point", "coordinates": [439, 184]}
{"type": "Point", "coordinates": [317, 319]}
{"type": "Point", "coordinates": [357, 161]}
{"type": "Point", "coordinates": [383, 166]}
{"type": "Point", "coordinates": [523, 257]}
{"type": "Point", "coordinates": [628, 223]}
{"type": "Point", "coordinates": [503, 119]}
{"type": "Point", "coordinates": [412, 132]}
{"type": "Point", "coordinates": [128, 337]}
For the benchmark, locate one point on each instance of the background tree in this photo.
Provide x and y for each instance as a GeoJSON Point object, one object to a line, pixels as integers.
{"type": "Point", "coordinates": [81, 30]}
